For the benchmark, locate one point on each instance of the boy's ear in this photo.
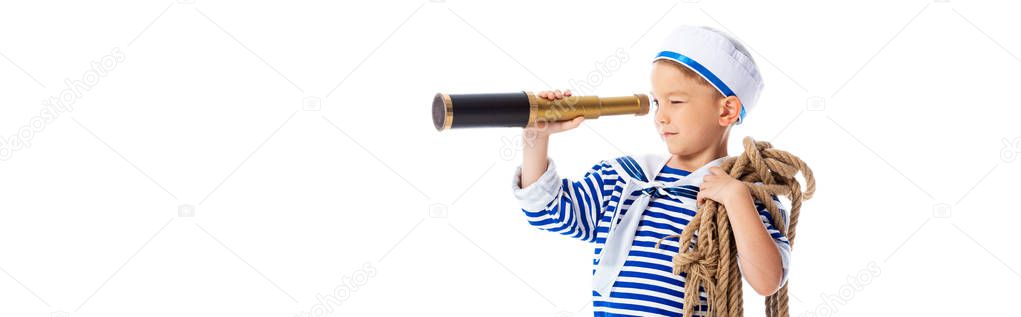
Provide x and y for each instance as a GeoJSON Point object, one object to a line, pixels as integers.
{"type": "Point", "coordinates": [730, 110]}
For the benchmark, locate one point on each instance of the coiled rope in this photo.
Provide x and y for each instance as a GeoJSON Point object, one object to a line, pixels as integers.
{"type": "Point", "coordinates": [710, 262]}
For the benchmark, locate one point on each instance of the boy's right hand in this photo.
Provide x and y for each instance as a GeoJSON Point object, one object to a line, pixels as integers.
{"type": "Point", "coordinates": [548, 128]}
{"type": "Point", "coordinates": [536, 140]}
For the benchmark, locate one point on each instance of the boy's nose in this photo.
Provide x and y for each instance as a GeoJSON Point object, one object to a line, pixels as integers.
{"type": "Point", "coordinates": [661, 118]}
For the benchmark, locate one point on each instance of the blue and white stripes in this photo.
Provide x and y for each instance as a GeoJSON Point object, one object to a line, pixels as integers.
{"type": "Point", "coordinates": [568, 207]}
{"type": "Point", "coordinates": [583, 208]}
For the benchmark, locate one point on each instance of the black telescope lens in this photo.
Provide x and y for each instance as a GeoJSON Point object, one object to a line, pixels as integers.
{"type": "Point", "coordinates": [438, 111]}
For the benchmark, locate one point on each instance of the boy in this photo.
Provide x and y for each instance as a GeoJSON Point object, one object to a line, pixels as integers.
{"type": "Point", "coordinates": [703, 83]}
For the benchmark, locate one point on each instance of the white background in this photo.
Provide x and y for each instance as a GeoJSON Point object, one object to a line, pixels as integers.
{"type": "Point", "coordinates": [905, 110]}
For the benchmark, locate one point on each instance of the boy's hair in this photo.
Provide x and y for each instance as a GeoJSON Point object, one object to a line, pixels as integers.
{"type": "Point", "coordinates": [691, 74]}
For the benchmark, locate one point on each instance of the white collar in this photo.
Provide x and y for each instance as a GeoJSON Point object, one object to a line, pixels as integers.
{"type": "Point", "coordinates": [652, 164]}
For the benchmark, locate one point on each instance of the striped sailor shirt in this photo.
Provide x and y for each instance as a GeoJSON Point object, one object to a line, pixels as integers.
{"type": "Point", "coordinates": [582, 208]}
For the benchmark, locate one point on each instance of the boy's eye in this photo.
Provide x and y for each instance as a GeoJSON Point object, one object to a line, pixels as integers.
{"type": "Point", "coordinates": [655, 102]}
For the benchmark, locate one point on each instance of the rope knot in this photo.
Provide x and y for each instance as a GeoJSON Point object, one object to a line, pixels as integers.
{"type": "Point", "coordinates": [702, 264]}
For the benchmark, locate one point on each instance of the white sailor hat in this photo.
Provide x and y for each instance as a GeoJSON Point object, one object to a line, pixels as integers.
{"type": "Point", "coordinates": [718, 58]}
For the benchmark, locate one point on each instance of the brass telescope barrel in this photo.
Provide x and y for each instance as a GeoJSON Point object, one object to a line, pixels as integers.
{"type": "Point", "coordinates": [524, 109]}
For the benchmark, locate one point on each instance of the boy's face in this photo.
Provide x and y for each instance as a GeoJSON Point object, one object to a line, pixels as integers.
{"type": "Point", "coordinates": [689, 117]}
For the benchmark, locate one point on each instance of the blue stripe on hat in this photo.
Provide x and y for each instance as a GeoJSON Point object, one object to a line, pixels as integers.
{"type": "Point", "coordinates": [716, 81]}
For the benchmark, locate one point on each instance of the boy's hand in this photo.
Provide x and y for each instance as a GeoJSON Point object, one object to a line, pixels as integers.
{"type": "Point", "coordinates": [721, 188]}
{"type": "Point", "coordinates": [548, 128]}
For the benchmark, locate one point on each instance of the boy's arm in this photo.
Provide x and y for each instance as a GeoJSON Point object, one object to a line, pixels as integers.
{"type": "Point", "coordinates": [763, 252]}
{"type": "Point", "coordinates": [536, 141]}
{"type": "Point", "coordinates": [567, 206]}
{"type": "Point", "coordinates": [533, 161]}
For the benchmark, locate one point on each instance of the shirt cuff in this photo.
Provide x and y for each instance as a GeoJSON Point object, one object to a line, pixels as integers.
{"type": "Point", "coordinates": [540, 193]}
{"type": "Point", "coordinates": [785, 259]}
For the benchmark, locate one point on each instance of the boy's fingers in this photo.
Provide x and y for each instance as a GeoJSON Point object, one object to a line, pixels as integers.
{"type": "Point", "coordinates": [570, 124]}
{"type": "Point", "coordinates": [567, 92]}
{"type": "Point", "coordinates": [716, 170]}
{"type": "Point", "coordinates": [574, 123]}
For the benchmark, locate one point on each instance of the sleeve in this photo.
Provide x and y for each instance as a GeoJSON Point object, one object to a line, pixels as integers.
{"type": "Point", "coordinates": [571, 207]}
{"type": "Point", "coordinates": [782, 243]}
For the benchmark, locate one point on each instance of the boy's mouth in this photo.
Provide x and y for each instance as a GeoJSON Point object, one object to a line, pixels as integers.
{"type": "Point", "coordinates": [667, 134]}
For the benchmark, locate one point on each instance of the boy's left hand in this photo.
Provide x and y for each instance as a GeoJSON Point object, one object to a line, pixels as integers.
{"type": "Point", "coordinates": [721, 188]}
